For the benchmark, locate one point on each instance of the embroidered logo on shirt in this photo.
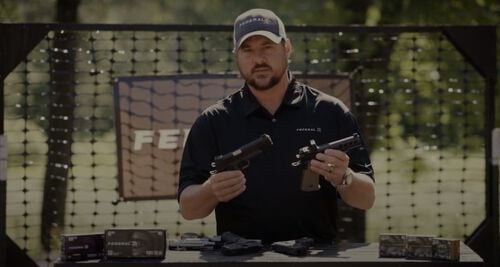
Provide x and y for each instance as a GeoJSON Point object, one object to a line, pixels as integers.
{"type": "Point", "coordinates": [309, 129]}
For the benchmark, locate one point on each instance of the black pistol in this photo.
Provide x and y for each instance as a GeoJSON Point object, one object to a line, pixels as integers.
{"type": "Point", "coordinates": [297, 247]}
{"type": "Point", "coordinates": [310, 181]}
{"type": "Point", "coordinates": [240, 158]}
{"type": "Point", "coordinates": [234, 244]}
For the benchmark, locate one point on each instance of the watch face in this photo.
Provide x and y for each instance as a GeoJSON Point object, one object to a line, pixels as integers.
{"type": "Point", "coordinates": [347, 178]}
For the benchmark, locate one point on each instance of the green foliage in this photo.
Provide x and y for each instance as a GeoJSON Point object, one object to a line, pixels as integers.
{"type": "Point", "coordinates": [312, 12]}
{"type": "Point", "coordinates": [27, 11]}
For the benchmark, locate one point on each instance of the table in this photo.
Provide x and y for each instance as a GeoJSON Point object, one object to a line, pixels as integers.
{"type": "Point", "coordinates": [341, 255]}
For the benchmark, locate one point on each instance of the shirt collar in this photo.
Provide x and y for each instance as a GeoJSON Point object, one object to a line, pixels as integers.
{"type": "Point", "coordinates": [292, 97]}
{"type": "Point", "coordinates": [250, 103]}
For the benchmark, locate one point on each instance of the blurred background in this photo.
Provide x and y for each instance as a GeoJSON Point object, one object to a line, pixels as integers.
{"type": "Point", "coordinates": [314, 12]}
{"type": "Point", "coordinates": [421, 104]}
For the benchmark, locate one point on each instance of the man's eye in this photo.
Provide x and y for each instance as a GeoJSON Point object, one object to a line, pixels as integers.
{"type": "Point", "coordinates": [269, 46]}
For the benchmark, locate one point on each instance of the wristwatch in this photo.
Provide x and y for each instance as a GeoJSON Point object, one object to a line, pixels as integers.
{"type": "Point", "coordinates": [346, 179]}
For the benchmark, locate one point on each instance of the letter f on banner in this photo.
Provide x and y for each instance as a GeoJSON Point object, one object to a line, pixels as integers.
{"type": "Point", "coordinates": [142, 137]}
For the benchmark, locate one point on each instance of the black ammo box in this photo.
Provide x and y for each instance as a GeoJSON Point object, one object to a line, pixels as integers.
{"type": "Point", "coordinates": [80, 247]}
{"type": "Point", "coordinates": [134, 244]}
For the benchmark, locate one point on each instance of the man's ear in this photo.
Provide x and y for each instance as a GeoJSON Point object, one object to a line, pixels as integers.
{"type": "Point", "coordinates": [288, 48]}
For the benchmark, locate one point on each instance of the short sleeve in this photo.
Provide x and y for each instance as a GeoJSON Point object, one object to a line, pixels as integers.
{"type": "Point", "coordinates": [199, 152]}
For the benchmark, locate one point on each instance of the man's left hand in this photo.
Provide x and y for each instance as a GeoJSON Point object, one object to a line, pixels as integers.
{"type": "Point", "coordinates": [332, 164]}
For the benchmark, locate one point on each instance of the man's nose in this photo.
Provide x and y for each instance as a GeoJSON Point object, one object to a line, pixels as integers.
{"type": "Point", "coordinates": [259, 58]}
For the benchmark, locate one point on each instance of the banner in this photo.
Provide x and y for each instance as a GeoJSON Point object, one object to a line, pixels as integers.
{"type": "Point", "coordinates": [153, 118]}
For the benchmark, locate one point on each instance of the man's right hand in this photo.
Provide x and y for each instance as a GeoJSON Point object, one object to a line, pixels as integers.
{"type": "Point", "coordinates": [226, 185]}
{"type": "Point", "coordinates": [199, 200]}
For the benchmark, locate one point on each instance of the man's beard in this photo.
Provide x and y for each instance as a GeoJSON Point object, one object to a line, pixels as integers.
{"type": "Point", "coordinates": [272, 82]}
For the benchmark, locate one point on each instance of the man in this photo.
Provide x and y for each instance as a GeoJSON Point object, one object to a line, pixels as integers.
{"type": "Point", "coordinates": [264, 201]}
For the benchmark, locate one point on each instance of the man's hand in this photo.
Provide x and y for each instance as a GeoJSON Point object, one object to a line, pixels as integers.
{"type": "Point", "coordinates": [226, 185]}
{"type": "Point", "coordinates": [332, 165]}
{"type": "Point", "coordinates": [199, 200]}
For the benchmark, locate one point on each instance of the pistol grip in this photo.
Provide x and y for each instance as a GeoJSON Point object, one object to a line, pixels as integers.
{"type": "Point", "coordinates": [310, 181]}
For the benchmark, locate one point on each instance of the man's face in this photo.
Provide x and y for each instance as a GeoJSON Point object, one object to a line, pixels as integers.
{"type": "Point", "coordinates": [262, 62]}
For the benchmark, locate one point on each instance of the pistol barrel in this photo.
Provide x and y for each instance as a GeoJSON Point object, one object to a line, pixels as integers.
{"type": "Point", "coordinates": [238, 159]}
{"type": "Point", "coordinates": [309, 152]}
{"type": "Point", "coordinates": [344, 144]}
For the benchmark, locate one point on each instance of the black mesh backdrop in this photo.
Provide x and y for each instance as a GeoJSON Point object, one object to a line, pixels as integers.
{"type": "Point", "coordinates": [419, 102]}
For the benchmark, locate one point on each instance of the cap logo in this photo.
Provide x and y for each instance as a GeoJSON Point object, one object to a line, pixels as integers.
{"type": "Point", "coordinates": [255, 19]}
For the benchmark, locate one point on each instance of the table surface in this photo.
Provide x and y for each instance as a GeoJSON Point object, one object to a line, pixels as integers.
{"type": "Point", "coordinates": [349, 254]}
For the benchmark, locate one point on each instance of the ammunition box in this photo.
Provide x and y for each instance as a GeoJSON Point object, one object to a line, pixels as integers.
{"type": "Point", "coordinates": [446, 249]}
{"type": "Point", "coordinates": [80, 247]}
{"type": "Point", "coordinates": [134, 244]}
{"type": "Point", "coordinates": [419, 246]}
{"type": "Point", "coordinates": [392, 245]}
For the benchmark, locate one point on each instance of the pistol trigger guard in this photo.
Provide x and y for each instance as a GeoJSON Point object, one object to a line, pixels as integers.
{"type": "Point", "coordinates": [244, 164]}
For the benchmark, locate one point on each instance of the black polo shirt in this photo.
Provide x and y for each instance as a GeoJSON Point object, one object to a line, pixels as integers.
{"type": "Point", "coordinates": [273, 207]}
